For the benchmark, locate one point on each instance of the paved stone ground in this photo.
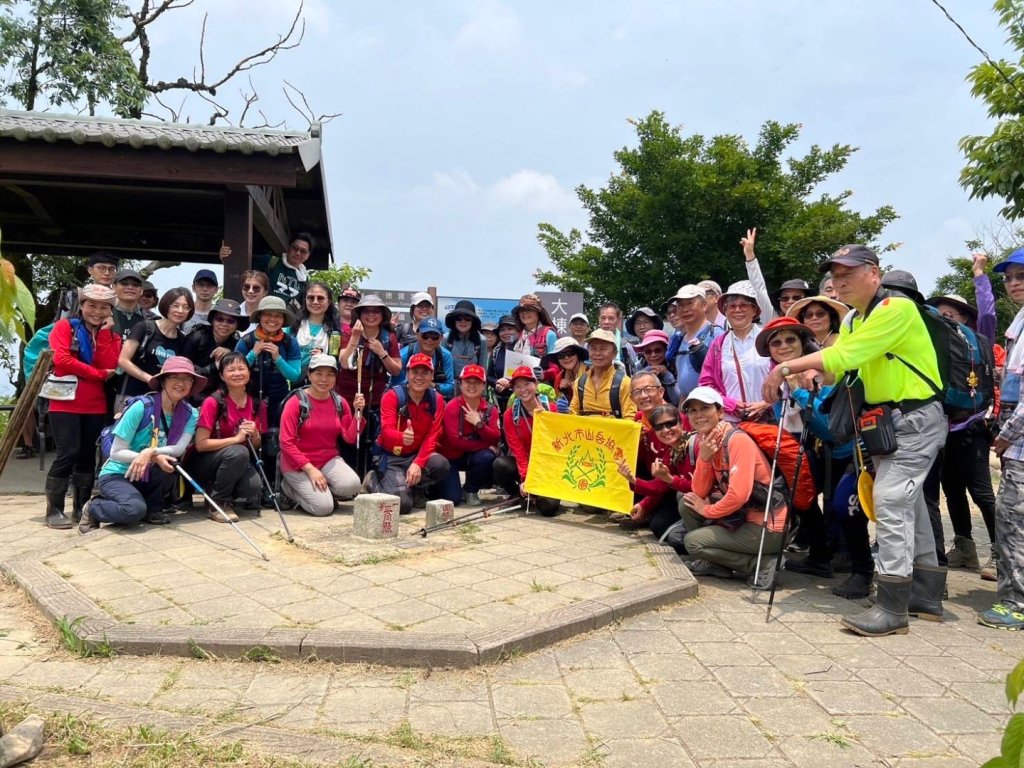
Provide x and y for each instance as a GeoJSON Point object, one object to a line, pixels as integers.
{"type": "Point", "coordinates": [701, 683]}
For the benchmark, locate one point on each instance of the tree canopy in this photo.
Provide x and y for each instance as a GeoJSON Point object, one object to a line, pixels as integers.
{"type": "Point", "coordinates": [675, 211]}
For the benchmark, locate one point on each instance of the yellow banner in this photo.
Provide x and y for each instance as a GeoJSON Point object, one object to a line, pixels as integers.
{"type": "Point", "coordinates": [574, 458]}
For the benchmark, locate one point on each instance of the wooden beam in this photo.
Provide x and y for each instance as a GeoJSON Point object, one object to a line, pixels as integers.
{"type": "Point", "coordinates": [238, 235]}
{"type": "Point", "coordinates": [26, 402]}
{"type": "Point", "coordinates": [269, 220]}
{"type": "Point", "coordinates": [171, 165]}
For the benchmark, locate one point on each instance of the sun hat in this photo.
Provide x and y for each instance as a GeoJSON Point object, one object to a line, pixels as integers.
{"type": "Point", "coordinates": [473, 371]}
{"type": "Point", "coordinates": [178, 364]}
{"type": "Point", "coordinates": [430, 325]}
{"type": "Point", "coordinates": [705, 395]}
{"type": "Point", "coordinates": [323, 361]}
{"type": "Point", "coordinates": [532, 301]}
{"type": "Point", "coordinates": [372, 300]}
{"type": "Point", "coordinates": [850, 256]}
{"type": "Point", "coordinates": [600, 334]}
{"type": "Point", "coordinates": [463, 308]}
{"type": "Point", "coordinates": [97, 292]}
{"type": "Point", "coordinates": [646, 312]}
{"type": "Point", "coordinates": [507, 320]}
{"type": "Point", "coordinates": [709, 285]}
{"type": "Point", "coordinates": [791, 285]}
{"type": "Point", "coordinates": [350, 293]}
{"type": "Point", "coordinates": [904, 282]}
{"type": "Point", "coordinates": [743, 288]}
{"type": "Point", "coordinates": [685, 293]}
{"type": "Point", "coordinates": [1017, 257]}
{"type": "Point", "coordinates": [229, 308]}
{"type": "Point", "coordinates": [563, 345]}
{"type": "Point", "coordinates": [419, 298]}
{"type": "Point", "coordinates": [419, 360]}
{"type": "Point", "coordinates": [957, 301]}
{"type": "Point", "coordinates": [834, 304]}
{"type": "Point", "coordinates": [522, 372]}
{"type": "Point", "coordinates": [783, 323]}
{"type": "Point", "coordinates": [653, 336]}
{"type": "Point", "coordinates": [489, 327]}
{"type": "Point", "coordinates": [273, 304]}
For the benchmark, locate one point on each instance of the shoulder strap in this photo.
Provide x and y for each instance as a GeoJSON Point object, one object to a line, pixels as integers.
{"type": "Point", "coordinates": [580, 384]}
{"type": "Point", "coordinates": [339, 405]}
{"type": "Point", "coordinates": [615, 393]}
{"type": "Point", "coordinates": [303, 396]}
{"type": "Point", "coordinates": [222, 409]}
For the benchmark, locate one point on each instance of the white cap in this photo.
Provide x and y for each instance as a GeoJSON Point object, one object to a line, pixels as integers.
{"type": "Point", "coordinates": [705, 395]}
{"type": "Point", "coordinates": [323, 361]}
{"type": "Point", "coordinates": [688, 292]}
{"type": "Point", "coordinates": [419, 298]}
{"type": "Point", "coordinates": [579, 316]}
{"type": "Point", "coordinates": [710, 285]}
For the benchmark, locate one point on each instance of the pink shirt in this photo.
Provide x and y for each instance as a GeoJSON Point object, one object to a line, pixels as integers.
{"type": "Point", "coordinates": [318, 436]}
{"type": "Point", "coordinates": [233, 416]}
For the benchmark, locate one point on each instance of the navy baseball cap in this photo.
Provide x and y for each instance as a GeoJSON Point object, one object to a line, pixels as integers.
{"type": "Point", "coordinates": [206, 274]}
{"type": "Point", "coordinates": [850, 256]}
{"type": "Point", "coordinates": [430, 325]}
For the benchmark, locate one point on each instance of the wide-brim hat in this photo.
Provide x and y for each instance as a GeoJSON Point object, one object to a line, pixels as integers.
{"type": "Point", "coordinates": [531, 301]}
{"type": "Point", "coordinates": [653, 336]}
{"type": "Point", "coordinates": [463, 308]}
{"type": "Point", "coordinates": [743, 288]}
{"type": "Point", "coordinates": [784, 323]}
{"type": "Point", "coordinates": [230, 308]}
{"type": "Point", "coordinates": [373, 300]}
{"type": "Point", "coordinates": [655, 319]}
{"type": "Point", "coordinates": [273, 304]}
{"type": "Point", "coordinates": [97, 292]}
{"type": "Point", "coordinates": [563, 345]}
{"type": "Point", "coordinates": [957, 301]}
{"type": "Point", "coordinates": [834, 304]}
{"type": "Point", "coordinates": [178, 364]}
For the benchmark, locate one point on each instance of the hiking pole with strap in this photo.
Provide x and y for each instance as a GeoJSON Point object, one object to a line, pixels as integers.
{"type": "Point", "coordinates": [216, 507]}
{"type": "Point", "coordinates": [359, 391]}
{"type": "Point", "coordinates": [270, 488]}
{"type": "Point", "coordinates": [768, 501]}
{"type": "Point", "coordinates": [801, 450]}
{"type": "Point", "coordinates": [508, 505]}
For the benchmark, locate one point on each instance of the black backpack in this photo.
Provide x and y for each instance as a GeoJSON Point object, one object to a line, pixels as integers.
{"type": "Point", "coordinates": [614, 394]}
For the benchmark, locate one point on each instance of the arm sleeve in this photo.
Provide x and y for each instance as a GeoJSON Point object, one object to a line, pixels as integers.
{"type": "Point", "coordinates": [348, 424]}
{"type": "Point", "coordinates": [1013, 429]}
{"type": "Point", "coordinates": [515, 445]}
{"type": "Point", "coordinates": [289, 362]}
{"type": "Point", "coordinates": [550, 338]}
{"type": "Point", "coordinates": [390, 433]}
{"type": "Point", "coordinates": [743, 460]}
{"type": "Point", "coordinates": [429, 444]}
{"type": "Point", "coordinates": [703, 478]}
{"type": "Point", "coordinates": [120, 451]}
{"type": "Point", "coordinates": [626, 399]}
{"type": "Point", "coordinates": [764, 301]}
{"type": "Point", "coordinates": [125, 431]}
{"type": "Point", "coordinates": [986, 307]}
{"type": "Point", "coordinates": [289, 434]}
{"type": "Point", "coordinates": [60, 342]}
{"type": "Point", "coordinates": [711, 374]}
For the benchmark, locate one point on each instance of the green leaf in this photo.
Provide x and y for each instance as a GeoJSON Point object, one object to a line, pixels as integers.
{"type": "Point", "coordinates": [996, 762]}
{"type": "Point", "coordinates": [1013, 740]}
{"type": "Point", "coordinates": [25, 302]}
{"type": "Point", "coordinates": [1015, 684]}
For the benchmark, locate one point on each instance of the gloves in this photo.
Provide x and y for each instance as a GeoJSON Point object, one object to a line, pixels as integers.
{"type": "Point", "coordinates": [562, 404]}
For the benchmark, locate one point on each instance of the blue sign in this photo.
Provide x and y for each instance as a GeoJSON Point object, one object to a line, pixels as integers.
{"type": "Point", "coordinates": [489, 310]}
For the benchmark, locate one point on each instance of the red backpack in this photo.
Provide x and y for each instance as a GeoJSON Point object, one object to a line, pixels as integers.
{"type": "Point", "coordinates": [764, 436]}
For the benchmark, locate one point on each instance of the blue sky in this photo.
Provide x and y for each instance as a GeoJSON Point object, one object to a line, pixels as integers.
{"type": "Point", "coordinates": [466, 123]}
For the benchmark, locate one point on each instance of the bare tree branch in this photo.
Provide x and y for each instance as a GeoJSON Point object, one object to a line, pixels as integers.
{"type": "Point", "coordinates": [144, 18]}
{"type": "Point", "coordinates": [266, 122]}
{"type": "Point", "coordinates": [220, 112]}
{"type": "Point", "coordinates": [306, 110]}
{"type": "Point", "coordinates": [250, 99]}
{"type": "Point", "coordinates": [202, 47]}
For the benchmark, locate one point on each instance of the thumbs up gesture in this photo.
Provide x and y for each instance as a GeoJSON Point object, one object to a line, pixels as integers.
{"type": "Point", "coordinates": [408, 435]}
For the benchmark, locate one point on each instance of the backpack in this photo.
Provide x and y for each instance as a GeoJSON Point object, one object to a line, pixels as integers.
{"type": "Point", "coordinates": [966, 364]}
{"type": "Point", "coordinates": [403, 399]}
{"type": "Point", "coordinates": [304, 406]}
{"type": "Point", "coordinates": [40, 340]}
{"type": "Point", "coordinates": [614, 394]}
{"type": "Point", "coordinates": [764, 436]}
{"type": "Point", "coordinates": [759, 493]}
{"type": "Point", "coordinates": [148, 421]}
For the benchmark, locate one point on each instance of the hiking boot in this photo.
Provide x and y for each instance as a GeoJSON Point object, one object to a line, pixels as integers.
{"type": "Point", "coordinates": [888, 616]}
{"type": "Point", "coordinates": [419, 498]}
{"type": "Point", "coordinates": [707, 568]}
{"type": "Point", "coordinates": [988, 571]}
{"type": "Point", "coordinates": [87, 524]}
{"type": "Point", "coordinates": [856, 587]}
{"type": "Point", "coordinates": [842, 563]}
{"type": "Point", "coordinates": [632, 523]}
{"type": "Point", "coordinates": [810, 567]}
{"type": "Point", "coordinates": [472, 500]}
{"type": "Point", "coordinates": [217, 517]}
{"type": "Point", "coordinates": [927, 591]}
{"type": "Point", "coordinates": [81, 492]}
{"type": "Point", "coordinates": [964, 554]}
{"type": "Point", "coordinates": [1001, 617]}
{"type": "Point", "coordinates": [369, 482]}
{"type": "Point", "coordinates": [765, 578]}
{"type": "Point", "coordinates": [56, 490]}
{"type": "Point", "coordinates": [158, 517]}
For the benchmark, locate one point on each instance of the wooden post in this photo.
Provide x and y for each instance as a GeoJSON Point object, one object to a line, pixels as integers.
{"type": "Point", "coordinates": [26, 402]}
{"type": "Point", "coordinates": [238, 235]}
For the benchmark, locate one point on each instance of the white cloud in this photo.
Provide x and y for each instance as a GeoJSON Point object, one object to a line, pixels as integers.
{"type": "Point", "coordinates": [534, 191]}
{"type": "Point", "coordinates": [493, 28]}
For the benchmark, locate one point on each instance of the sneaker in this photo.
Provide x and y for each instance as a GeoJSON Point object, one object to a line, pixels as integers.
{"type": "Point", "coordinates": [632, 523]}
{"type": "Point", "coordinates": [472, 500]}
{"type": "Point", "coordinates": [87, 524]}
{"type": "Point", "coordinates": [809, 567]}
{"type": "Point", "coordinates": [217, 517]}
{"type": "Point", "coordinates": [707, 568]}
{"type": "Point", "coordinates": [856, 587]}
{"type": "Point", "coordinates": [797, 549]}
{"type": "Point", "coordinates": [765, 578]}
{"type": "Point", "coordinates": [988, 570]}
{"type": "Point", "coordinates": [1001, 617]}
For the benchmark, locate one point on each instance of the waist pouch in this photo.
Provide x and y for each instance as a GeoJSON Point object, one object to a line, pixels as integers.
{"type": "Point", "coordinates": [877, 431]}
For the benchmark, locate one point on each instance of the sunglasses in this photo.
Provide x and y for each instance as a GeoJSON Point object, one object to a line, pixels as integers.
{"type": "Point", "coordinates": [252, 288]}
{"type": "Point", "coordinates": [565, 355]}
{"type": "Point", "coordinates": [149, 294]}
{"type": "Point", "coordinates": [430, 336]}
{"type": "Point", "coordinates": [316, 299]}
{"type": "Point", "coordinates": [814, 314]}
{"type": "Point", "coordinates": [225, 319]}
{"type": "Point", "coordinates": [665, 425]}
{"type": "Point", "coordinates": [1013, 277]}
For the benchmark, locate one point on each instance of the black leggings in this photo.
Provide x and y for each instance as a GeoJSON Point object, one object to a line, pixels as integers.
{"type": "Point", "coordinates": [969, 473]}
{"type": "Point", "coordinates": [75, 435]}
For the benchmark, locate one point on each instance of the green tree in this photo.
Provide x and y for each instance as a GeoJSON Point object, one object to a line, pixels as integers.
{"type": "Point", "coordinates": [995, 163]}
{"type": "Point", "coordinates": [675, 211]}
{"type": "Point", "coordinates": [338, 277]}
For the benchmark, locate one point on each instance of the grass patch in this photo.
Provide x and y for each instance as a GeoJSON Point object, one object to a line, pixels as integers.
{"type": "Point", "coordinates": [381, 557]}
{"type": "Point", "coordinates": [70, 639]}
{"type": "Point", "coordinates": [261, 654]}
{"type": "Point", "coordinates": [840, 740]}
{"type": "Point", "coordinates": [435, 749]}
{"type": "Point", "coordinates": [469, 532]}
{"type": "Point", "coordinates": [500, 753]}
{"type": "Point", "coordinates": [196, 651]}
{"type": "Point", "coordinates": [615, 588]}
{"type": "Point", "coordinates": [537, 586]}
{"type": "Point", "coordinates": [395, 627]}
{"type": "Point", "coordinates": [170, 680]}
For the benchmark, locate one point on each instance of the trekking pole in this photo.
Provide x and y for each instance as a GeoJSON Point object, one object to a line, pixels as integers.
{"type": "Point", "coordinates": [768, 501]}
{"type": "Point", "coordinates": [359, 391]}
{"type": "Point", "coordinates": [216, 507]}
{"type": "Point", "coordinates": [270, 489]}
{"type": "Point", "coordinates": [508, 505]}
{"type": "Point", "coordinates": [801, 450]}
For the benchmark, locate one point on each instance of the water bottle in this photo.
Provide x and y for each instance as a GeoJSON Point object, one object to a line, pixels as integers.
{"type": "Point", "coordinates": [334, 344]}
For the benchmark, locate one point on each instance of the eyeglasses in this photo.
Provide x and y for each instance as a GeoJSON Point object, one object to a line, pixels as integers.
{"type": "Point", "coordinates": [301, 250]}
{"type": "Point", "coordinates": [316, 299]}
{"type": "Point", "coordinates": [255, 288]}
{"type": "Point", "coordinates": [665, 425]}
{"type": "Point", "coordinates": [733, 306]}
{"type": "Point", "coordinates": [566, 355]}
{"type": "Point", "coordinates": [430, 336]}
{"type": "Point", "coordinates": [1013, 277]}
{"type": "Point", "coordinates": [181, 306]}
{"type": "Point", "coordinates": [783, 341]}
{"type": "Point", "coordinates": [106, 269]}
{"type": "Point", "coordinates": [644, 391]}
{"type": "Point", "coordinates": [180, 377]}
{"type": "Point", "coordinates": [227, 319]}
{"type": "Point", "coordinates": [813, 314]}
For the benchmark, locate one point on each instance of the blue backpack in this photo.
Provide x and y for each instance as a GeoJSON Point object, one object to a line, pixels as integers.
{"type": "Point", "coordinates": [106, 439]}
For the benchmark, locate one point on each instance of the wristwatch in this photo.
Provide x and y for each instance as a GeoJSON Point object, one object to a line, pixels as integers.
{"type": "Point", "coordinates": [786, 371]}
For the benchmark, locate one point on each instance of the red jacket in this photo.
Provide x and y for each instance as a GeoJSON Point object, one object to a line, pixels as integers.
{"type": "Point", "coordinates": [426, 427]}
{"type": "Point", "coordinates": [519, 435]}
{"type": "Point", "coordinates": [459, 437]}
{"type": "Point", "coordinates": [680, 463]}
{"type": "Point", "coordinates": [90, 397]}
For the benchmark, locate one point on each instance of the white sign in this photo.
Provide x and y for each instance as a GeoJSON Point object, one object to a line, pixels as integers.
{"type": "Point", "coordinates": [515, 359]}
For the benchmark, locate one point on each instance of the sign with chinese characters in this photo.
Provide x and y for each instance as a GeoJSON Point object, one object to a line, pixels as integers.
{"type": "Point", "coordinates": [575, 458]}
{"type": "Point", "coordinates": [561, 306]}
{"type": "Point", "coordinates": [488, 310]}
{"type": "Point", "coordinates": [397, 301]}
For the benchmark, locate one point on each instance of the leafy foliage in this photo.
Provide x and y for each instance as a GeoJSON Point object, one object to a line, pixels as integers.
{"type": "Point", "coordinates": [677, 208]}
{"type": "Point", "coordinates": [339, 277]}
{"type": "Point", "coordinates": [17, 305]}
{"type": "Point", "coordinates": [1011, 753]}
{"type": "Point", "coordinates": [995, 163]}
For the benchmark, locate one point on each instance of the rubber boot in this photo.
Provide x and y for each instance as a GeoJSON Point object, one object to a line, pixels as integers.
{"type": "Point", "coordinates": [927, 591]}
{"type": "Point", "coordinates": [888, 616]}
{"type": "Point", "coordinates": [81, 492]}
{"type": "Point", "coordinates": [56, 490]}
{"type": "Point", "coordinates": [964, 554]}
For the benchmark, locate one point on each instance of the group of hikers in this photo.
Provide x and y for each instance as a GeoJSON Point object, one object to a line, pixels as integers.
{"type": "Point", "coordinates": [766, 416]}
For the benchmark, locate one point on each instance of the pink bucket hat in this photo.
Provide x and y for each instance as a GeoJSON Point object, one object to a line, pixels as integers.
{"type": "Point", "coordinates": [178, 364]}
{"type": "Point", "coordinates": [653, 336]}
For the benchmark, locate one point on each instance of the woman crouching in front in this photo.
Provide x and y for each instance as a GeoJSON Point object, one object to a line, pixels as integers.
{"type": "Point", "coordinates": [723, 521]}
{"type": "Point", "coordinates": [313, 474]}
